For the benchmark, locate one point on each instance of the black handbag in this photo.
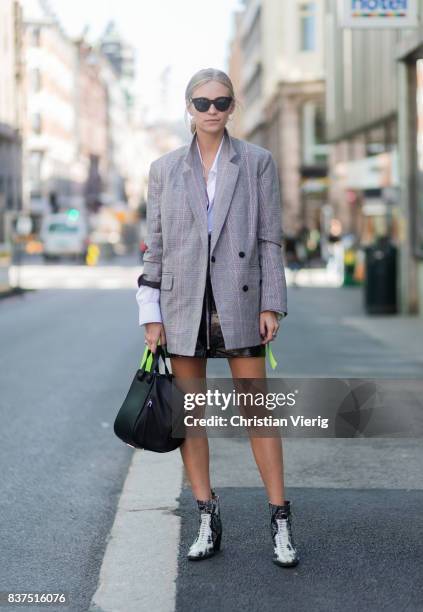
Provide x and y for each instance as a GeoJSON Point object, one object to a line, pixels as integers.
{"type": "Point", "coordinates": [152, 410]}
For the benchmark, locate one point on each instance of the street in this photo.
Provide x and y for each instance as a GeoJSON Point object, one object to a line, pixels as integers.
{"type": "Point", "coordinates": [127, 135]}
{"type": "Point", "coordinates": [66, 360]}
{"type": "Point", "coordinates": [74, 520]}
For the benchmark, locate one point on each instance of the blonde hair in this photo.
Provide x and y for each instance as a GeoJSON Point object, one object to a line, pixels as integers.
{"type": "Point", "coordinates": [204, 76]}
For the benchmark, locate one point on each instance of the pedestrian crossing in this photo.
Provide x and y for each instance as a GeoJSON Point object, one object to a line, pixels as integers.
{"type": "Point", "coordinates": [125, 277]}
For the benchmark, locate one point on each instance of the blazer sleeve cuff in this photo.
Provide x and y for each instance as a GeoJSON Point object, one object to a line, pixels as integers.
{"type": "Point", "coordinates": [143, 281]}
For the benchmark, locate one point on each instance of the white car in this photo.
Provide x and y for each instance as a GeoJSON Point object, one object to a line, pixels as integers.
{"type": "Point", "coordinates": [64, 235]}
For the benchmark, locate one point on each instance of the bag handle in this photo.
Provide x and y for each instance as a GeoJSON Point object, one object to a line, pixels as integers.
{"type": "Point", "coordinates": [155, 365]}
{"type": "Point", "coordinates": [155, 361]}
{"type": "Point", "coordinates": [147, 359]}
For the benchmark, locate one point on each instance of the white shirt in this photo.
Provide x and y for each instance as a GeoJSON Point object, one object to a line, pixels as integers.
{"type": "Point", "coordinates": [148, 297]}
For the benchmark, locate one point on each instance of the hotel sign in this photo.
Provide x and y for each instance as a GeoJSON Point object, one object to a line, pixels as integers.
{"type": "Point", "coordinates": [378, 13]}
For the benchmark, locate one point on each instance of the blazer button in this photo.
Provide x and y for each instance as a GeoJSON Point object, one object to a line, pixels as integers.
{"type": "Point", "coordinates": [245, 288]}
{"type": "Point", "coordinates": [213, 258]}
{"type": "Point", "coordinates": [241, 254]}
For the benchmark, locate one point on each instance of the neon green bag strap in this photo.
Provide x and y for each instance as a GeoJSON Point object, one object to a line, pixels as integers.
{"type": "Point", "coordinates": [269, 353]}
{"type": "Point", "coordinates": [149, 362]}
{"type": "Point", "coordinates": [150, 359]}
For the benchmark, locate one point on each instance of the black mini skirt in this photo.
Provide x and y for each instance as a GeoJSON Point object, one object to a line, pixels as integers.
{"type": "Point", "coordinates": [210, 342]}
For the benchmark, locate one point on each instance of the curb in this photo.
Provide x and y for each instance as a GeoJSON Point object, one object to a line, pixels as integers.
{"type": "Point", "coordinates": [140, 563]}
{"type": "Point", "coordinates": [13, 291]}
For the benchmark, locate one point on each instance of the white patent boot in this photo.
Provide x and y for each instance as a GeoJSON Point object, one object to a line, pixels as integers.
{"type": "Point", "coordinates": [284, 551]}
{"type": "Point", "coordinates": [207, 542]}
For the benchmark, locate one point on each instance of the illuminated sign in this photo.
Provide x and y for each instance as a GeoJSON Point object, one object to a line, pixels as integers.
{"type": "Point", "coordinates": [377, 13]}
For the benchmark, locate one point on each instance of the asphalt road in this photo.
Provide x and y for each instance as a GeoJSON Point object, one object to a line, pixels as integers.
{"type": "Point", "coordinates": [66, 361]}
{"type": "Point", "coordinates": [361, 550]}
{"type": "Point", "coordinates": [356, 503]}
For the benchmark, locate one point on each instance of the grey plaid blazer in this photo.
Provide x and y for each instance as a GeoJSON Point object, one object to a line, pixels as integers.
{"type": "Point", "coordinates": [246, 266]}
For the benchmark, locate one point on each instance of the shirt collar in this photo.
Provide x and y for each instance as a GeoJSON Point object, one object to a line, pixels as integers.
{"type": "Point", "coordinates": [213, 169]}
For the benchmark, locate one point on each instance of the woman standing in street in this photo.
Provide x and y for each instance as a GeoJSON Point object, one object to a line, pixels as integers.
{"type": "Point", "coordinates": [213, 283]}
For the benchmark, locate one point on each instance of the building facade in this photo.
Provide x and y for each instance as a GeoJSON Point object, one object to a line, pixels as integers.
{"type": "Point", "coordinates": [235, 61]}
{"type": "Point", "coordinates": [52, 176]}
{"type": "Point", "coordinates": [122, 57]}
{"type": "Point", "coordinates": [283, 90]}
{"type": "Point", "coordinates": [374, 116]}
{"type": "Point", "coordinates": [11, 101]}
{"type": "Point", "coordinates": [409, 57]}
{"type": "Point", "coordinates": [92, 120]}
{"type": "Point", "coordinates": [118, 74]}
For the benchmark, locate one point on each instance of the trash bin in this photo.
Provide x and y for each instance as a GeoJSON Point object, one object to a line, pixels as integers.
{"type": "Point", "coordinates": [380, 285]}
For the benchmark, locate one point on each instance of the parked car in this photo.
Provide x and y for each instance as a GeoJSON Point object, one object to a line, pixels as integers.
{"type": "Point", "coordinates": [64, 234]}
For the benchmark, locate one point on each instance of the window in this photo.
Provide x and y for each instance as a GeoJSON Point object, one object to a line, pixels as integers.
{"type": "Point", "coordinates": [35, 80]}
{"type": "Point", "coordinates": [315, 149]}
{"type": "Point", "coordinates": [375, 141]}
{"type": "Point", "coordinates": [252, 90]}
{"type": "Point", "coordinates": [391, 134]}
{"type": "Point", "coordinates": [251, 40]}
{"type": "Point", "coordinates": [36, 123]}
{"type": "Point", "coordinates": [35, 161]}
{"type": "Point", "coordinates": [9, 193]}
{"type": "Point", "coordinates": [35, 37]}
{"type": "Point", "coordinates": [307, 13]}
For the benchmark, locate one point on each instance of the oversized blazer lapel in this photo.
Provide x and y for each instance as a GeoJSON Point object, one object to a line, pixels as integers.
{"type": "Point", "coordinates": [227, 176]}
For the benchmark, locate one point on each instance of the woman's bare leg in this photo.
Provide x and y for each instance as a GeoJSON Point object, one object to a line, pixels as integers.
{"type": "Point", "coordinates": [267, 452]}
{"type": "Point", "coordinates": [194, 450]}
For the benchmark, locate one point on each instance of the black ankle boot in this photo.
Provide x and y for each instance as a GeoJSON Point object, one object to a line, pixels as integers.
{"type": "Point", "coordinates": [207, 542]}
{"type": "Point", "coordinates": [284, 552]}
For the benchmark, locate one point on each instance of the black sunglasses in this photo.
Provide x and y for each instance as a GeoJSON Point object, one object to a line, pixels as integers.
{"type": "Point", "coordinates": [203, 104]}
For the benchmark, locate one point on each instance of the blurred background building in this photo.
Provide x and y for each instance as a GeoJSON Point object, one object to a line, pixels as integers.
{"type": "Point", "coordinates": [373, 123]}
{"type": "Point", "coordinates": [52, 174]}
{"type": "Point", "coordinates": [340, 107]}
{"type": "Point", "coordinates": [11, 110]}
{"type": "Point", "coordinates": [122, 58]}
{"type": "Point", "coordinates": [77, 115]}
{"type": "Point", "coordinates": [282, 79]}
{"type": "Point", "coordinates": [92, 124]}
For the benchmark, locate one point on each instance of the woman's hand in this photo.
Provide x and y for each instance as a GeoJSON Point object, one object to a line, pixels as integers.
{"type": "Point", "coordinates": [153, 333]}
{"type": "Point", "coordinates": [268, 325]}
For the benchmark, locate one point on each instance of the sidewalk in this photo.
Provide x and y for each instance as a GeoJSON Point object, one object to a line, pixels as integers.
{"type": "Point", "coordinates": [139, 568]}
{"type": "Point", "coordinates": [328, 333]}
